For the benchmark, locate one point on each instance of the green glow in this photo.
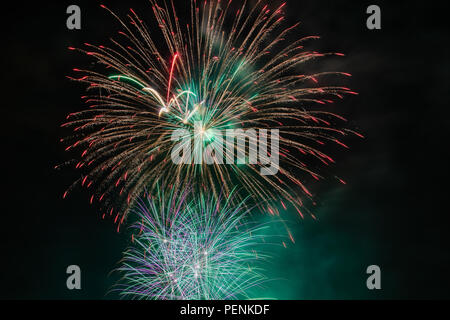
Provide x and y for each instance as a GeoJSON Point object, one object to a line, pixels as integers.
{"type": "Point", "coordinates": [120, 77]}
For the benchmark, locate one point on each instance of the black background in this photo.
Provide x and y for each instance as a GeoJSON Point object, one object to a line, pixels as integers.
{"type": "Point", "coordinates": [393, 212]}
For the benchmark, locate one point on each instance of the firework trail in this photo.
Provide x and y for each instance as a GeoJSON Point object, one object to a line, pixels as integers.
{"type": "Point", "coordinates": [224, 69]}
{"type": "Point", "coordinates": [188, 247]}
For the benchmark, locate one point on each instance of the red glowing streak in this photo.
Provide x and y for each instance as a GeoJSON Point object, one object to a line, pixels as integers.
{"type": "Point", "coordinates": [171, 75]}
{"type": "Point", "coordinates": [291, 237]}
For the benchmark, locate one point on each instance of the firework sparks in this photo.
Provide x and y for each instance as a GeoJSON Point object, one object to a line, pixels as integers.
{"type": "Point", "coordinates": [191, 248]}
{"type": "Point", "coordinates": [223, 69]}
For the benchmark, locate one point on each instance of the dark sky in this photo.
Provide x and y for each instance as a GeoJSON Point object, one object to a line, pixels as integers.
{"type": "Point", "coordinates": [393, 212]}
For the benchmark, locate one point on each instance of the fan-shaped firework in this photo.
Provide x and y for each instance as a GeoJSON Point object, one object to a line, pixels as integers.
{"type": "Point", "coordinates": [223, 69]}
{"type": "Point", "coordinates": [191, 248]}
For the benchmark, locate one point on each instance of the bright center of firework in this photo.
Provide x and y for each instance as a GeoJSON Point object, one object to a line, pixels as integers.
{"type": "Point", "coordinates": [207, 134]}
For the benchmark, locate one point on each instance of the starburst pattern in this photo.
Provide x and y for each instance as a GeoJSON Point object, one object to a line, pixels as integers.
{"type": "Point", "coordinates": [191, 247]}
{"type": "Point", "coordinates": [225, 69]}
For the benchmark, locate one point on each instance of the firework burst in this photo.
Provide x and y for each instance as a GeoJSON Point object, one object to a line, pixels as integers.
{"type": "Point", "coordinates": [224, 69]}
{"type": "Point", "coordinates": [188, 247]}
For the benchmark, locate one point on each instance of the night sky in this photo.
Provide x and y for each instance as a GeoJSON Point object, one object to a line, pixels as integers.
{"type": "Point", "coordinates": [393, 211]}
